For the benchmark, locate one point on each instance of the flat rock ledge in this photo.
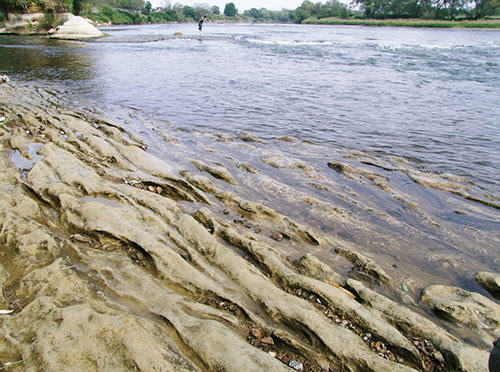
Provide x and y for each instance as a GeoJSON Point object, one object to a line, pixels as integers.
{"type": "Point", "coordinates": [76, 28]}
{"type": "Point", "coordinates": [490, 282]}
{"type": "Point", "coordinates": [113, 259]}
{"type": "Point", "coordinates": [464, 308]}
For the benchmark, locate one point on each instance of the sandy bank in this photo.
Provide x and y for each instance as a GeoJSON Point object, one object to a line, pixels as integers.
{"type": "Point", "coordinates": [114, 258]}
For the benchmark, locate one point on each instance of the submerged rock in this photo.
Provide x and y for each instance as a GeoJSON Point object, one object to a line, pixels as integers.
{"type": "Point", "coordinates": [365, 264]}
{"type": "Point", "coordinates": [217, 171]}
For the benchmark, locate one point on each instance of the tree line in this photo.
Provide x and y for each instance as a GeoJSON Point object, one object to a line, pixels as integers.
{"type": "Point", "coordinates": [124, 14]}
{"type": "Point", "coordinates": [141, 11]}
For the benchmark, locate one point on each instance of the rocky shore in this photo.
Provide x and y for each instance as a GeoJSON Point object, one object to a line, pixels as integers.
{"type": "Point", "coordinates": [114, 257]}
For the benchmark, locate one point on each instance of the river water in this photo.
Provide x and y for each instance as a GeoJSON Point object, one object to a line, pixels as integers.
{"type": "Point", "coordinates": [427, 94]}
{"type": "Point", "coordinates": [426, 97]}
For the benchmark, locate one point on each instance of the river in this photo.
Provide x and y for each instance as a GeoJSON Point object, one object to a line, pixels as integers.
{"type": "Point", "coordinates": [396, 100]}
{"type": "Point", "coordinates": [430, 95]}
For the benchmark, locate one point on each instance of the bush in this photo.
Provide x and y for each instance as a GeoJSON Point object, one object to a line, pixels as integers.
{"type": "Point", "coordinates": [49, 21]}
{"type": "Point", "coordinates": [121, 18]}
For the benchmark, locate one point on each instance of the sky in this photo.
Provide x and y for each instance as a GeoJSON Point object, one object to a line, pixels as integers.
{"type": "Point", "coordinates": [241, 5]}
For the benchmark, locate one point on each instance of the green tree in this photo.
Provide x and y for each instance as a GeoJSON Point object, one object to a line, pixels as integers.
{"type": "Point", "coordinates": [216, 10]}
{"type": "Point", "coordinates": [147, 9]}
{"type": "Point", "coordinates": [201, 10]}
{"type": "Point", "coordinates": [254, 13]}
{"type": "Point", "coordinates": [130, 4]}
{"type": "Point", "coordinates": [304, 11]}
{"type": "Point", "coordinates": [77, 7]}
{"type": "Point", "coordinates": [485, 8]}
{"type": "Point", "coordinates": [107, 12]}
{"type": "Point", "coordinates": [189, 12]}
{"type": "Point", "coordinates": [230, 10]}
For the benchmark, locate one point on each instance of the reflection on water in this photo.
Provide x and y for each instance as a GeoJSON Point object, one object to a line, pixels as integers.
{"type": "Point", "coordinates": [34, 58]}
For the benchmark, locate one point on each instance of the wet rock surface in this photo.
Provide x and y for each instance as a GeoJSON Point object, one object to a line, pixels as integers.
{"type": "Point", "coordinates": [116, 256]}
{"type": "Point", "coordinates": [468, 308]}
{"type": "Point", "coordinates": [490, 282]}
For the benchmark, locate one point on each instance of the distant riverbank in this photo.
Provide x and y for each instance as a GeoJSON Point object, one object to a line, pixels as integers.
{"type": "Point", "coordinates": [483, 23]}
{"type": "Point", "coordinates": [39, 23]}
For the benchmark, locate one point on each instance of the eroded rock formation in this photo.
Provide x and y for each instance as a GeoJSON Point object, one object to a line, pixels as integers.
{"type": "Point", "coordinates": [113, 258]}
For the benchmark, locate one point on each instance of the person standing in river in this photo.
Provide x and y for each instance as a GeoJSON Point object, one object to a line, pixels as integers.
{"type": "Point", "coordinates": [200, 25]}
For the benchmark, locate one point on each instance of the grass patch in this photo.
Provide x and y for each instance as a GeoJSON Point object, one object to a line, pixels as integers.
{"type": "Point", "coordinates": [485, 23]}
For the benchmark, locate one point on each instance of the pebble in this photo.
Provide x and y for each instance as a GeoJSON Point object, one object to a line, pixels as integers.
{"type": "Point", "coordinates": [267, 341]}
{"type": "Point", "coordinates": [257, 333]}
{"type": "Point", "coordinates": [404, 287]}
{"type": "Point", "coordinates": [80, 238]}
{"type": "Point", "coordinates": [277, 236]}
{"type": "Point", "coordinates": [439, 357]}
{"type": "Point", "coordinates": [152, 188]}
{"type": "Point", "coordinates": [296, 365]}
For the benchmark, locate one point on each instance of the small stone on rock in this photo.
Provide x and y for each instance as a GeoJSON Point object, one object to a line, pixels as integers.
{"type": "Point", "coordinates": [296, 365]}
{"type": "Point", "coordinates": [257, 333]}
{"type": "Point", "coordinates": [439, 357]}
{"type": "Point", "coordinates": [277, 236]}
{"type": "Point", "coordinates": [267, 341]}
